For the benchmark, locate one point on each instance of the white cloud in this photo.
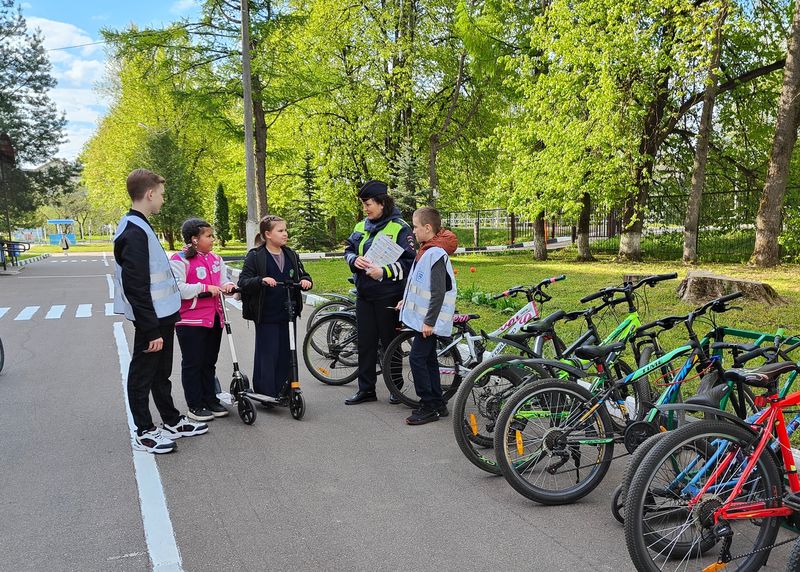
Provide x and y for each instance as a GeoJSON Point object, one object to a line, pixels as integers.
{"type": "Point", "coordinates": [82, 105]}
{"type": "Point", "coordinates": [183, 6]}
{"type": "Point", "coordinates": [62, 35]}
{"type": "Point", "coordinates": [77, 136]}
{"type": "Point", "coordinates": [85, 72]}
{"type": "Point", "coordinates": [26, 5]}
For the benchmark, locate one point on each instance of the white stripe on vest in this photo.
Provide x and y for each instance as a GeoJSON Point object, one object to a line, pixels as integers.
{"type": "Point", "coordinates": [163, 288]}
{"type": "Point", "coordinates": [417, 296]}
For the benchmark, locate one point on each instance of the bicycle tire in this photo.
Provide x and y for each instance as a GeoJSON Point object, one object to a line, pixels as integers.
{"type": "Point", "coordinates": [328, 307]}
{"type": "Point", "coordinates": [633, 464]}
{"type": "Point", "coordinates": [561, 405]}
{"type": "Point", "coordinates": [2, 356]}
{"type": "Point", "coordinates": [793, 565]}
{"type": "Point", "coordinates": [337, 337]}
{"type": "Point", "coordinates": [477, 404]}
{"type": "Point", "coordinates": [397, 371]}
{"type": "Point", "coordinates": [665, 460]}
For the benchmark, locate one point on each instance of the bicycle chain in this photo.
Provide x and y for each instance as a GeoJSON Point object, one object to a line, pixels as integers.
{"type": "Point", "coordinates": [763, 548]}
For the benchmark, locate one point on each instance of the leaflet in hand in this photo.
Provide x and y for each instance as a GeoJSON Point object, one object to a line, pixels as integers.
{"type": "Point", "coordinates": [383, 251]}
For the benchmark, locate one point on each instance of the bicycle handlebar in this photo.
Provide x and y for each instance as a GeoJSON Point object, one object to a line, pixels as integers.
{"type": "Point", "coordinates": [533, 289]}
{"type": "Point", "coordinates": [628, 286]}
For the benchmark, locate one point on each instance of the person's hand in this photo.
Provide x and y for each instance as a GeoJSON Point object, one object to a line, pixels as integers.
{"type": "Point", "coordinates": [362, 263]}
{"type": "Point", "coordinates": [155, 346]}
{"type": "Point", "coordinates": [375, 272]}
{"type": "Point", "coordinates": [271, 282]}
{"type": "Point", "coordinates": [426, 330]}
{"type": "Point", "coordinates": [399, 305]}
{"type": "Point", "coordinates": [305, 284]}
{"type": "Point", "coordinates": [215, 290]}
{"type": "Point", "coordinates": [228, 288]}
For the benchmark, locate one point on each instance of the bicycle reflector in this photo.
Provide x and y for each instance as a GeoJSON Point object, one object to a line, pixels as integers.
{"type": "Point", "coordinates": [324, 371]}
{"type": "Point", "coordinates": [520, 446]}
{"type": "Point", "coordinates": [473, 424]}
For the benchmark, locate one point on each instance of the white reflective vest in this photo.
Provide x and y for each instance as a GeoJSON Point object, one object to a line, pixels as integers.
{"type": "Point", "coordinates": [417, 297]}
{"type": "Point", "coordinates": [163, 288]}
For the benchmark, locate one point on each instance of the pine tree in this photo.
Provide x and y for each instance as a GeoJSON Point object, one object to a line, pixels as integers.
{"type": "Point", "coordinates": [309, 231]}
{"type": "Point", "coordinates": [221, 217]}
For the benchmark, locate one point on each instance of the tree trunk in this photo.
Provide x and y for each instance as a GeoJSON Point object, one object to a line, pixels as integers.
{"type": "Point", "coordinates": [768, 220]}
{"type": "Point", "coordinates": [260, 137]}
{"type": "Point", "coordinates": [692, 222]}
{"type": "Point", "coordinates": [539, 242]}
{"type": "Point", "coordinates": [584, 249]}
{"type": "Point", "coordinates": [433, 175]}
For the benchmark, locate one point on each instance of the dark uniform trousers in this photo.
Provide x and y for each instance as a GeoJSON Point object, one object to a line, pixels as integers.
{"type": "Point", "coordinates": [377, 321]}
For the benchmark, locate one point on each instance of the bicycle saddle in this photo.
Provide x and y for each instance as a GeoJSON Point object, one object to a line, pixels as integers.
{"type": "Point", "coordinates": [463, 318]}
{"type": "Point", "coordinates": [545, 324]}
{"type": "Point", "coordinates": [599, 352]}
{"type": "Point", "coordinates": [765, 376]}
{"type": "Point", "coordinates": [711, 397]}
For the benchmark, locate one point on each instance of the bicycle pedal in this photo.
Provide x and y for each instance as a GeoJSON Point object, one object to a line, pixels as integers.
{"type": "Point", "coordinates": [792, 500]}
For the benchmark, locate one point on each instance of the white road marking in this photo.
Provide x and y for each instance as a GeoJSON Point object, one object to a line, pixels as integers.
{"type": "Point", "coordinates": [27, 313]}
{"type": "Point", "coordinates": [158, 531]}
{"type": "Point", "coordinates": [55, 312]}
{"type": "Point", "coordinates": [84, 311]}
{"type": "Point", "coordinates": [74, 261]}
{"type": "Point", "coordinates": [109, 308]}
{"type": "Point", "coordinates": [3, 311]}
{"type": "Point", "coordinates": [110, 283]}
{"type": "Point", "coordinates": [105, 260]}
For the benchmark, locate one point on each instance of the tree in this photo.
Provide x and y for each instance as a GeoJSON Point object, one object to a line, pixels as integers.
{"type": "Point", "coordinates": [27, 114]}
{"type": "Point", "coordinates": [309, 229]}
{"type": "Point", "coordinates": [768, 220]}
{"type": "Point", "coordinates": [222, 222]}
{"type": "Point", "coordinates": [406, 193]}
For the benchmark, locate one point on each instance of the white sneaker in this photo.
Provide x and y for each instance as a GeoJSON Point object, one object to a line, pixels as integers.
{"type": "Point", "coordinates": [153, 441]}
{"type": "Point", "coordinates": [184, 428]}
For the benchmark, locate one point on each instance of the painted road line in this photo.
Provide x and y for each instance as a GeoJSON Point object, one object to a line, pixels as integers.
{"type": "Point", "coordinates": [27, 313]}
{"type": "Point", "coordinates": [74, 261]}
{"type": "Point", "coordinates": [3, 311]}
{"type": "Point", "coordinates": [84, 311]}
{"type": "Point", "coordinates": [55, 312]}
{"type": "Point", "coordinates": [158, 531]}
{"type": "Point", "coordinates": [110, 283]}
{"type": "Point", "coordinates": [109, 308]}
{"type": "Point", "coordinates": [105, 260]}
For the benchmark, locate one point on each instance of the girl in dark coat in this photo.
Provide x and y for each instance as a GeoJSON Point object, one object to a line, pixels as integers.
{"type": "Point", "coordinates": [264, 302]}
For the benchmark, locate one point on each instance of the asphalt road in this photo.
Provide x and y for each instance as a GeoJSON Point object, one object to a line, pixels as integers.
{"type": "Point", "coordinates": [346, 488]}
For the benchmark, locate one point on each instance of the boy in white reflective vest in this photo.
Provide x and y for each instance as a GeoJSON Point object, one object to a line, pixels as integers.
{"type": "Point", "coordinates": [146, 292]}
{"type": "Point", "coordinates": [428, 305]}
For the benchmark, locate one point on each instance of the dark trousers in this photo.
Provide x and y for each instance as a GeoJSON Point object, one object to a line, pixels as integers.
{"type": "Point", "coordinates": [271, 367]}
{"type": "Point", "coordinates": [425, 369]}
{"type": "Point", "coordinates": [199, 351]}
{"type": "Point", "coordinates": [149, 372]}
{"type": "Point", "coordinates": [377, 321]}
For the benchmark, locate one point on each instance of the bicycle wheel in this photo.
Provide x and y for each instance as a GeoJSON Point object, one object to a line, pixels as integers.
{"type": "Point", "coordinates": [330, 350]}
{"type": "Point", "coordinates": [2, 356]}
{"type": "Point", "coordinates": [326, 308]}
{"type": "Point", "coordinates": [668, 527]}
{"type": "Point", "coordinates": [476, 406]}
{"type": "Point", "coordinates": [630, 470]}
{"type": "Point", "coordinates": [397, 370]}
{"type": "Point", "coordinates": [551, 445]}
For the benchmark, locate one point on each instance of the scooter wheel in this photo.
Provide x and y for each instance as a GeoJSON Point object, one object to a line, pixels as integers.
{"type": "Point", "coordinates": [247, 411]}
{"type": "Point", "coordinates": [297, 406]}
{"type": "Point", "coordinates": [618, 504]}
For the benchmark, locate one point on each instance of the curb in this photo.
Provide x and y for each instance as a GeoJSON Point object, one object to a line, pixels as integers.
{"type": "Point", "coordinates": [34, 259]}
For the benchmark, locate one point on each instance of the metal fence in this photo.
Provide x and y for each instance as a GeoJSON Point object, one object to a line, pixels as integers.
{"type": "Point", "coordinates": [726, 230]}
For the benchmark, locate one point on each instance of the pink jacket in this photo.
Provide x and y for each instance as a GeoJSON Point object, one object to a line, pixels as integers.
{"type": "Point", "coordinates": [193, 276]}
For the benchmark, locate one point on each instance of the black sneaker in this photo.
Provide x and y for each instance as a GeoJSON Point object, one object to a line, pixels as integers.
{"type": "Point", "coordinates": [200, 414]}
{"type": "Point", "coordinates": [218, 410]}
{"type": "Point", "coordinates": [421, 417]}
{"type": "Point", "coordinates": [442, 411]}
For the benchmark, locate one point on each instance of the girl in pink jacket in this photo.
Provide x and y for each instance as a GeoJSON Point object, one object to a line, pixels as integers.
{"type": "Point", "coordinates": [199, 330]}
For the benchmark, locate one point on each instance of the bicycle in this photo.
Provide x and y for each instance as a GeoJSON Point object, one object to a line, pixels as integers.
{"type": "Point", "coordinates": [466, 348]}
{"type": "Point", "coordinates": [483, 393]}
{"type": "Point", "coordinates": [721, 482]}
{"type": "Point", "coordinates": [566, 422]}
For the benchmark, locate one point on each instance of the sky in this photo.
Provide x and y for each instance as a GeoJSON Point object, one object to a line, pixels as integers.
{"type": "Point", "coordinates": [79, 69]}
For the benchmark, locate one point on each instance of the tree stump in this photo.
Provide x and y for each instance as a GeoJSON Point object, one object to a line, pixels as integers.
{"type": "Point", "coordinates": [633, 278]}
{"type": "Point", "coordinates": [701, 286]}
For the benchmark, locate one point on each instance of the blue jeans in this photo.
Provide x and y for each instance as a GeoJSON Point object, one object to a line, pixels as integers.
{"type": "Point", "coordinates": [425, 369]}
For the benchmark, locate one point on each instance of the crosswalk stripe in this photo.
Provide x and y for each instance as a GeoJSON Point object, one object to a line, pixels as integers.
{"type": "Point", "coordinates": [109, 308]}
{"type": "Point", "coordinates": [55, 312]}
{"type": "Point", "coordinates": [84, 311]}
{"type": "Point", "coordinates": [27, 313]}
{"type": "Point", "coordinates": [3, 311]}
